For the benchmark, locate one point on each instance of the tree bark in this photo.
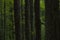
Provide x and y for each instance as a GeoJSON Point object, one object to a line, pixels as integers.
{"type": "Point", "coordinates": [4, 22]}
{"type": "Point", "coordinates": [17, 19]}
{"type": "Point", "coordinates": [31, 19]}
{"type": "Point", "coordinates": [27, 20]}
{"type": "Point", "coordinates": [37, 19]}
{"type": "Point", "coordinates": [52, 19]}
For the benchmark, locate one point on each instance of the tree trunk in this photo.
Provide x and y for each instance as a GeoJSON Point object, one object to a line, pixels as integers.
{"type": "Point", "coordinates": [1, 21]}
{"type": "Point", "coordinates": [37, 19]}
{"type": "Point", "coordinates": [27, 23]}
{"type": "Point", "coordinates": [31, 19]}
{"type": "Point", "coordinates": [4, 22]}
{"type": "Point", "coordinates": [52, 19]}
{"type": "Point", "coordinates": [17, 19]}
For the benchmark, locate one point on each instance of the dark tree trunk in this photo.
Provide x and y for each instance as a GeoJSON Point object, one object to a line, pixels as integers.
{"type": "Point", "coordinates": [1, 21]}
{"type": "Point", "coordinates": [52, 19]}
{"type": "Point", "coordinates": [31, 18]}
{"type": "Point", "coordinates": [22, 20]}
{"type": "Point", "coordinates": [4, 19]}
{"type": "Point", "coordinates": [17, 19]}
{"type": "Point", "coordinates": [37, 19]}
{"type": "Point", "coordinates": [27, 20]}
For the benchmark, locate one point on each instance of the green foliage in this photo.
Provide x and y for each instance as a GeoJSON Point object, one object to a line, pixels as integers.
{"type": "Point", "coordinates": [42, 5]}
{"type": "Point", "coordinates": [9, 25]}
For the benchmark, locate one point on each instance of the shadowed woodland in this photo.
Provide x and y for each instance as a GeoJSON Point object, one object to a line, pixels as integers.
{"type": "Point", "coordinates": [29, 19]}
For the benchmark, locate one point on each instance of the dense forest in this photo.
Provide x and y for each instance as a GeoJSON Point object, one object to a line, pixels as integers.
{"type": "Point", "coordinates": [25, 19]}
{"type": "Point", "coordinates": [7, 22]}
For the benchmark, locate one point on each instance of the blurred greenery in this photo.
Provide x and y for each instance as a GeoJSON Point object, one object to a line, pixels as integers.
{"type": "Point", "coordinates": [7, 21]}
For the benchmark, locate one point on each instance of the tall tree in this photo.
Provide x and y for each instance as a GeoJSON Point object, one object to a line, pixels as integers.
{"type": "Point", "coordinates": [31, 19]}
{"type": "Point", "coordinates": [37, 19]}
{"type": "Point", "coordinates": [1, 22]}
{"type": "Point", "coordinates": [27, 20]}
{"type": "Point", "coordinates": [52, 19]}
{"type": "Point", "coordinates": [17, 19]}
{"type": "Point", "coordinates": [4, 22]}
